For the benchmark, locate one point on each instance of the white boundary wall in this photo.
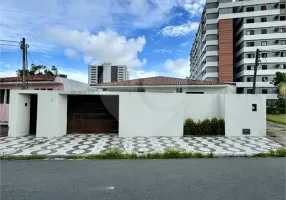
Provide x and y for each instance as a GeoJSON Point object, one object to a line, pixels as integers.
{"type": "Point", "coordinates": [144, 114]}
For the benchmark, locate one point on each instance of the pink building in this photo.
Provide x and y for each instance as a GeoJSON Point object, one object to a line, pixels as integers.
{"type": "Point", "coordinates": [36, 82]}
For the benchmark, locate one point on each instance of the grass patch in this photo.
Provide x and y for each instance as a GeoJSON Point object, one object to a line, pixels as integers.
{"type": "Point", "coordinates": [119, 154]}
{"type": "Point", "coordinates": [279, 119]}
{"type": "Point", "coordinates": [273, 154]}
{"type": "Point", "coordinates": [31, 157]}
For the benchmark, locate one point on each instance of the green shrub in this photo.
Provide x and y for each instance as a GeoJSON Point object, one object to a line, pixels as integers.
{"type": "Point", "coordinates": [190, 127]}
{"type": "Point", "coordinates": [276, 111]}
{"type": "Point", "coordinates": [221, 125]}
{"type": "Point", "coordinates": [206, 127]}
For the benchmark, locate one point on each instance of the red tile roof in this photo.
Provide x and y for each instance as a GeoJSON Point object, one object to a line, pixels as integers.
{"type": "Point", "coordinates": [159, 80]}
{"type": "Point", "coordinates": [30, 78]}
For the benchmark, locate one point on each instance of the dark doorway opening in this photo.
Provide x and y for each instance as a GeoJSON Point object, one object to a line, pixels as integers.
{"type": "Point", "coordinates": [33, 114]}
{"type": "Point", "coordinates": [93, 114]}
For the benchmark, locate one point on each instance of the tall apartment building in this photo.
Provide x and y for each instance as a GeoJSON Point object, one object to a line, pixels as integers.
{"type": "Point", "coordinates": [228, 36]}
{"type": "Point", "coordinates": [107, 73]}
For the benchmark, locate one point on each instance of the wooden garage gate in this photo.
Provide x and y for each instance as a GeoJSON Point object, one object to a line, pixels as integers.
{"type": "Point", "coordinates": [92, 114]}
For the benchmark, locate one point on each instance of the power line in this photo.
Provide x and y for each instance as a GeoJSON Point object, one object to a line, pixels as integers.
{"type": "Point", "coordinates": [10, 41]}
{"type": "Point", "coordinates": [37, 58]}
{"type": "Point", "coordinates": [33, 62]}
{"type": "Point", "coordinates": [10, 45]}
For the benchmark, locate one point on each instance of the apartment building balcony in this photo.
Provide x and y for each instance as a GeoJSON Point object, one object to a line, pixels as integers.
{"type": "Point", "coordinates": [210, 75]}
{"type": "Point", "coordinates": [259, 72]}
{"type": "Point", "coordinates": [263, 48]}
{"type": "Point", "coordinates": [261, 25]}
{"type": "Point", "coordinates": [270, 36]}
{"type": "Point", "coordinates": [250, 14]}
{"type": "Point", "coordinates": [264, 60]}
{"type": "Point", "coordinates": [250, 84]}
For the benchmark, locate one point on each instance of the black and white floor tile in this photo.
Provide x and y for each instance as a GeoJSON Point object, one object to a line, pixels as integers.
{"type": "Point", "coordinates": [83, 144]}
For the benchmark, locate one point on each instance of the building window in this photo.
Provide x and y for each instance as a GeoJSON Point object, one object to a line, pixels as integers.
{"type": "Point", "coordinates": [264, 91]}
{"type": "Point", "coordinates": [283, 42]}
{"type": "Point", "coordinates": [249, 79]}
{"type": "Point", "coordinates": [249, 91]}
{"type": "Point", "coordinates": [263, 7]}
{"type": "Point", "coordinates": [2, 94]}
{"type": "Point", "coordinates": [283, 30]}
{"type": "Point", "coordinates": [282, 18]}
{"type": "Point", "coordinates": [250, 55]}
{"type": "Point", "coordinates": [263, 31]}
{"type": "Point", "coordinates": [282, 6]}
{"type": "Point", "coordinates": [250, 9]}
{"type": "Point", "coordinates": [263, 43]}
{"type": "Point", "coordinates": [264, 55]}
{"type": "Point", "coordinates": [250, 44]}
{"type": "Point", "coordinates": [7, 96]}
{"type": "Point", "coordinates": [284, 66]}
{"type": "Point", "coordinates": [264, 79]}
{"type": "Point", "coordinates": [50, 88]}
{"type": "Point", "coordinates": [263, 19]}
{"type": "Point", "coordinates": [194, 92]}
{"type": "Point", "coordinates": [250, 32]}
{"type": "Point", "coordinates": [249, 21]}
{"type": "Point", "coordinates": [264, 67]}
{"type": "Point", "coordinates": [248, 67]}
{"type": "Point", "coordinates": [37, 89]}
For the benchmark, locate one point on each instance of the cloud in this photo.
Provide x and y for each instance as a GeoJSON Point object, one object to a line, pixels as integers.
{"type": "Point", "coordinates": [135, 74]}
{"type": "Point", "coordinates": [194, 7]}
{"type": "Point", "coordinates": [184, 44]}
{"type": "Point", "coordinates": [181, 30]}
{"type": "Point", "coordinates": [71, 53]}
{"type": "Point", "coordinates": [105, 46]}
{"type": "Point", "coordinates": [179, 67]}
{"type": "Point", "coordinates": [74, 74]}
{"type": "Point", "coordinates": [162, 51]}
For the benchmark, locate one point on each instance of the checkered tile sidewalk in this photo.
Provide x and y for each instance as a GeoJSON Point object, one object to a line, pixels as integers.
{"type": "Point", "coordinates": [84, 144]}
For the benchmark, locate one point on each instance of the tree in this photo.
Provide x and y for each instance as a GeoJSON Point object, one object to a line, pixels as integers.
{"type": "Point", "coordinates": [280, 77]}
{"type": "Point", "coordinates": [39, 70]}
{"type": "Point", "coordinates": [280, 81]}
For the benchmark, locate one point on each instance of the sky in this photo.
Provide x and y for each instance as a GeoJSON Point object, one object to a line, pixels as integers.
{"type": "Point", "coordinates": [151, 37]}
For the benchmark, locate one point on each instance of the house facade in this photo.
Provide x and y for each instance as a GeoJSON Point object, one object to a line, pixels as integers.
{"type": "Point", "coordinates": [162, 84]}
{"type": "Point", "coordinates": [130, 114]}
{"type": "Point", "coordinates": [36, 82]}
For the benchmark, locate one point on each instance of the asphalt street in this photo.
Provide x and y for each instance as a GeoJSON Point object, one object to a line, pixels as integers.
{"type": "Point", "coordinates": [227, 178]}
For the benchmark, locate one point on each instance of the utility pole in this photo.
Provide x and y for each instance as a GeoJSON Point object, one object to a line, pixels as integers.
{"type": "Point", "coordinates": [255, 70]}
{"type": "Point", "coordinates": [24, 51]}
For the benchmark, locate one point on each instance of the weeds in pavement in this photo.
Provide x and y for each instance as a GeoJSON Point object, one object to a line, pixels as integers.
{"type": "Point", "coordinates": [119, 154]}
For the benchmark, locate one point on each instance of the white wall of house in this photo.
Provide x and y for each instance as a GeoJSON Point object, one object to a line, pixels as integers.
{"type": "Point", "coordinates": [201, 106]}
{"type": "Point", "coordinates": [52, 114]}
{"type": "Point", "coordinates": [150, 114]}
{"type": "Point", "coordinates": [19, 122]}
{"type": "Point", "coordinates": [145, 114]}
{"type": "Point", "coordinates": [239, 114]}
{"type": "Point", "coordinates": [73, 85]}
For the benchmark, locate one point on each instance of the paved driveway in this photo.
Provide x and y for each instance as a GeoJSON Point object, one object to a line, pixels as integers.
{"type": "Point", "coordinates": [277, 133]}
{"type": "Point", "coordinates": [84, 144]}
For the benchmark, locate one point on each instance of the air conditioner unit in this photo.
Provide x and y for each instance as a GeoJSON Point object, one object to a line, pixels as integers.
{"type": "Point", "coordinates": [276, 41]}
{"type": "Point", "coordinates": [276, 17]}
{"type": "Point", "coordinates": [276, 30]}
